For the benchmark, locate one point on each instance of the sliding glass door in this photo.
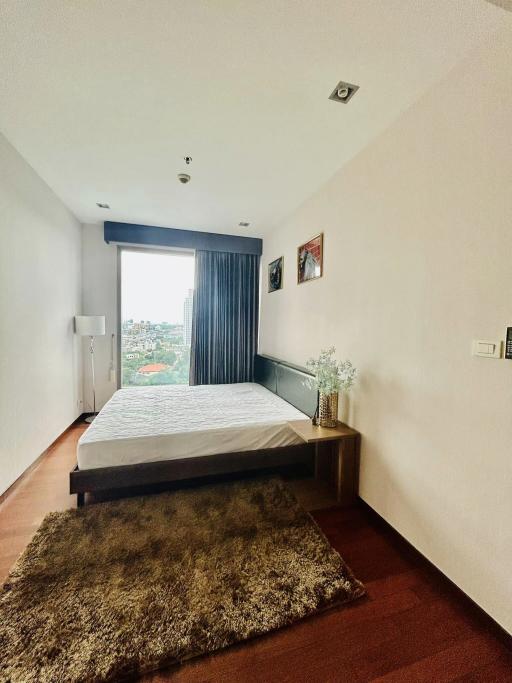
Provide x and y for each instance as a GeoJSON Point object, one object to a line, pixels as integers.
{"type": "Point", "coordinates": [156, 316]}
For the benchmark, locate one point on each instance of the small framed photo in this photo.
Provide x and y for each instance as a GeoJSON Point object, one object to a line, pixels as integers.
{"type": "Point", "coordinates": [310, 259]}
{"type": "Point", "coordinates": [275, 274]}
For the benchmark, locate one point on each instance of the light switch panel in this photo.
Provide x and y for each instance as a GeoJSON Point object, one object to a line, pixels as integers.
{"type": "Point", "coordinates": [508, 344]}
{"type": "Point", "coordinates": [486, 348]}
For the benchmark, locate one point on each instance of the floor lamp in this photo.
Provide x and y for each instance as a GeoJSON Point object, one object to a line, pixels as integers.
{"type": "Point", "coordinates": [91, 326]}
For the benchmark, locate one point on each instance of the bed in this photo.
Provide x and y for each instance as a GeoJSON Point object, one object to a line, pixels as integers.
{"type": "Point", "coordinates": [154, 435]}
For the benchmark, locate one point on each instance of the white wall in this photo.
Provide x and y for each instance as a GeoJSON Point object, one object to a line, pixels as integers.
{"type": "Point", "coordinates": [40, 276]}
{"type": "Point", "coordinates": [418, 262]}
{"type": "Point", "coordinates": [99, 297]}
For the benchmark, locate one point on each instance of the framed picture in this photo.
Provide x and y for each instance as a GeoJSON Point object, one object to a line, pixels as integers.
{"type": "Point", "coordinates": [275, 274]}
{"type": "Point", "coordinates": [310, 258]}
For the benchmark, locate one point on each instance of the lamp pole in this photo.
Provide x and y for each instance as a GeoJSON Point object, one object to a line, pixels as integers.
{"type": "Point", "coordinates": [91, 352]}
{"type": "Point", "coordinates": [91, 326]}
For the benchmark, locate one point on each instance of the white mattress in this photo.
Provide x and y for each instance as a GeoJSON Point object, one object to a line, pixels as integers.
{"type": "Point", "coordinates": [149, 424]}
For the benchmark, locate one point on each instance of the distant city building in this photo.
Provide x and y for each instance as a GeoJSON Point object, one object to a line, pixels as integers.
{"type": "Point", "coordinates": [152, 369]}
{"type": "Point", "coordinates": [187, 318]}
{"type": "Point", "coordinates": [160, 347]}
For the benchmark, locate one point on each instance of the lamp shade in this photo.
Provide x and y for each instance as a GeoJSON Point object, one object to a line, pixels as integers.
{"type": "Point", "coordinates": [90, 325]}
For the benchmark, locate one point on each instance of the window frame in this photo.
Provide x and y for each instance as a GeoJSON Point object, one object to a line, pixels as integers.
{"type": "Point", "coordinates": [119, 303]}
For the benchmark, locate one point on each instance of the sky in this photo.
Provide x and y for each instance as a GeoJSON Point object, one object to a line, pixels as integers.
{"type": "Point", "coordinates": [154, 285]}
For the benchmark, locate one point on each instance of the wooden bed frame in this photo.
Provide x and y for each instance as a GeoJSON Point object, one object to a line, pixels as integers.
{"type": "Point", "coordinates": [283, 379]}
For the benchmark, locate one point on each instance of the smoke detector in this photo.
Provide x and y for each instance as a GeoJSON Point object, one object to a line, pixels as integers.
{"type": "Point", "coordinates": [244, 224]}
{"type": "Point", "coordinates": [343, 92]}
{"type": "Point", "coordinates": [184, 178]}
{"type": "Point", "coordinates": [102, 205]}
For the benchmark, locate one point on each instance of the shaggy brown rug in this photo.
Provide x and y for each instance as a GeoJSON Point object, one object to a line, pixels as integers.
{"type": "Point", "coordinates": [116, 589]}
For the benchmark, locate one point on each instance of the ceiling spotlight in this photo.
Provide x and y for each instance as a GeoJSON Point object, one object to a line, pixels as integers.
{"type": "Point", "coordinates": [102, 205]}
{"type": "Point", "coordinates": [184, 178]}
{"type": "Point", "coordinates": [244, 224]}
{"type": "Point", "coordinates": [343, 92]}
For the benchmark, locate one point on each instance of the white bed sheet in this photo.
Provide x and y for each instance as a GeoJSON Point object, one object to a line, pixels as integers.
{"type": "Point", "coordinates": [150, 424]}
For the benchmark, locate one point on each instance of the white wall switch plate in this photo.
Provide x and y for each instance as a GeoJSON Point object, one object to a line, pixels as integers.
{"type": "Point", "coordinates": [486, 348]}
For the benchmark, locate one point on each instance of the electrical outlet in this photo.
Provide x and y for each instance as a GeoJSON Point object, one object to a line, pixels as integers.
{"type": "Point", "coordinates": [487, 348]}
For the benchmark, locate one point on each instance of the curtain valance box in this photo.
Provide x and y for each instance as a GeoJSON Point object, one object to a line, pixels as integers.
{"type": "Point", "coordinates": [131, 234]}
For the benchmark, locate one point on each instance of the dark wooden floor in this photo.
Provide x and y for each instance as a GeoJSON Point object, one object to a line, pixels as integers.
{"type": "Point", "coordinates": [413, 626]}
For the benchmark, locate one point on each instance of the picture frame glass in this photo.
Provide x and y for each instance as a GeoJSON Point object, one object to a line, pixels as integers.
{"type": "Point", "coordinates": [275, 274]}
{"type": "Point", "coordinates": [310, 259]}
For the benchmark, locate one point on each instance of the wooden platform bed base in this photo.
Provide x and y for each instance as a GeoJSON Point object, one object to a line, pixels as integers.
{"type": "Point", "coordinates": [281, 378]}
{"type": "Point", "coordinates": [169, 471]}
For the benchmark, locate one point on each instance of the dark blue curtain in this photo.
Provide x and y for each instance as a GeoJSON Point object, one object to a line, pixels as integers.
{"type": "Point", "coordinates": [225, 318]}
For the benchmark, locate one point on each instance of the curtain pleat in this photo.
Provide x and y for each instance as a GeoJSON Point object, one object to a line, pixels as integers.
{"type": "Point", "coordinates": [225, 318]}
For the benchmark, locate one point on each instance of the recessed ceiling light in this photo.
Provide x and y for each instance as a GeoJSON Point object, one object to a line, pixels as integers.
{"type": "Point", "coordinates": [244, 224]}
{"type": "Point", "coordinates": [102, 205]}
{"type": "Point", "coordinates": [343, 92]}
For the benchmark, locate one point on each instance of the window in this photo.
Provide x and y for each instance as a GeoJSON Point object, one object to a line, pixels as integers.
{"type": "Point", "coordinates": [156, 317]}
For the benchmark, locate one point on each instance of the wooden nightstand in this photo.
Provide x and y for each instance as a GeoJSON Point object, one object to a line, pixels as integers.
{"type": "Point", "coordinates": [344, 442]}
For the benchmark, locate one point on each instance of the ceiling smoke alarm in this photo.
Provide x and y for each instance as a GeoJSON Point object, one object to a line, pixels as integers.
{"type": "Point", "coordinates": [244, 224]}
{"type": "Point", "coordinates": [102, 205]}
{"type": "Point", "coordinates": [343, 92]}
{"type": "Point", "coordinates": [184, 178]}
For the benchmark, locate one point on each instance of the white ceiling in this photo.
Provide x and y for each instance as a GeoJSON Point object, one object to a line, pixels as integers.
{"type": "Point", "coordinates": [104, 97]}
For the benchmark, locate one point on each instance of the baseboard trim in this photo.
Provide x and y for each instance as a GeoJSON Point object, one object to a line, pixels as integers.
{"type": "Point", "coordinates": [493, 626]}
{"type": "Point", "coordinates": [16, 483]}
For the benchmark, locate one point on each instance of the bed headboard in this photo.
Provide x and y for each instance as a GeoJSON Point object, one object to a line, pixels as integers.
{"type": "Point", "coordinates": [287, 381]}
